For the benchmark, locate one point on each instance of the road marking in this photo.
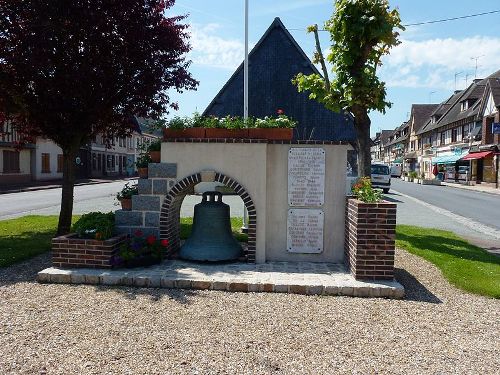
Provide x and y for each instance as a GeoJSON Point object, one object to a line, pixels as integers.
{"type": "Point", "coordinates": [474, 225]}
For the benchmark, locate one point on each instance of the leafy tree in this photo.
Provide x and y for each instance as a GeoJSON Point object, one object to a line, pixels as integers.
{"type": "Point", "coordinates": [70, 70]}
{"type": "Point", "coordinates": [361, 31]}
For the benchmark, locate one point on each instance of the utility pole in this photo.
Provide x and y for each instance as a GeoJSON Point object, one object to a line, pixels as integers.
{"type": "Point", "coordinates": [456, 75]}
{"type": "Point", "coordinates": [476, 58]}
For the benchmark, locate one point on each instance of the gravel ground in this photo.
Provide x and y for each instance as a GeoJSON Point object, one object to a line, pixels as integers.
{"type": "Point", "coordinates": [64, 329]}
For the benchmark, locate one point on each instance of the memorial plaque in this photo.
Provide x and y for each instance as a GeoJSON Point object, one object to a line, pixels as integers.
{"type": "Point", "coordinates": [305, 230]}
{"type": "Point", "coordinates": [306, 176]}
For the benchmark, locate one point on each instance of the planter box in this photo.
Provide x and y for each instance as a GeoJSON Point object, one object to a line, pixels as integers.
{"type": "Point", "coordinates": [155, 156]}
{"type": "Point", "coordinates": [226, 133]}
{"type": "Point", "coordinates": [142, 172]}
{"type": "Point", "coordinates": [273, 134]}
{"type": "Point", "coordinates": [370, 239]}
{"type": "Point", "coordinates": [71, 252]}
{"type": "Point", "coordinates": [184, 133]}
{"type": "Point", "coordinates": [126, 204]}
{"type": "Point", "coordinates": [416, 181]}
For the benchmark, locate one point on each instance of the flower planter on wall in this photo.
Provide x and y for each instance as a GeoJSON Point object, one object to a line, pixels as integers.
{"type": "Point", "coordinates": [370, 239]}
{"type": "Point", "coordinates": [226, 133]}
{"type": "Point", "coordinates": [126, 204]}
{"type": "Point", "coordinates": [155, 156]}
{"type": "Point", "coordinates": [142, 172]}
{"type": "Point", "coordinates": [274, 134]}
{"type": "Point", "coordinates": [71, 252]}
{"type": "Point", "coordinates": [184, 133]}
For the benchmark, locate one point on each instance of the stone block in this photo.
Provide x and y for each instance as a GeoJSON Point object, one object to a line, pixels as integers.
{"type": "Point", "coordinates": [201, 284]}
{"type": "Point", "coordinates": [146, 203]}
{"type": "Point", "coordinates": [155, 281]}
{"type": "Point", "coordinates": [162, 170]}
{"type": "Point", "coordinates": [160, 186]}
{"type": "Point", "coordinates": [43, 277]}
{"type": "Point", "coordinates": [123, 230]}
{"type": "Point", "coordinates": [152, 219]}
{"type": "Point", "coordinates": [167, 282]}
{"type": "Point", "coordinates": [315, 289]}
{"type": "Point", "coordinates": [110, 279]}
{"type": "Point", "coordinates": [128, 218]}
{"type": "Point", "coordinates": [145, 186]}
{"type": "Point", "coordinates": [183, 284]}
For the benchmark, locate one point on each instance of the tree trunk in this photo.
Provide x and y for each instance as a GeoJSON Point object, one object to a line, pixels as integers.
{"type": "Point", "coordinates": [68, 185]}
{"type": "Point", "coordinates": [362, 123]}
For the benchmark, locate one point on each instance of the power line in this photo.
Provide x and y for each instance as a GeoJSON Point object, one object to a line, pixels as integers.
{"type": "Point", "coordinates": [437, 21]}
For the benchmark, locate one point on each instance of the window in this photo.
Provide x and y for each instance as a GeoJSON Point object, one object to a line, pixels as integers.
{"type": "Point", "coordinates": [454, 133]}
{"type": "Point", "coordinates": [443, 137]}
{"type": "Point", "coordinates": [124, 162]}
{"type": "Point", "coordinates": [45, 163]}
{"type": "Point", "coordinates": [464, 105]}
{"type": "Point", "coordinates": [60, 163]}
{"type": "Point", "coordinates": [10, 162]}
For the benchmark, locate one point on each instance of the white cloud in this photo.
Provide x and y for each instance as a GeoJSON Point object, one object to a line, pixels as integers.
{"type": "Point", "coordinates": [433, 63]}
{"type": "Point", "coordinates": [209, 49]}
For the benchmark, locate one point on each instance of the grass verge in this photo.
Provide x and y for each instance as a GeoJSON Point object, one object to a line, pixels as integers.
{"type": "Point", "coordinates": [25, 237]}
{"type": "Point", "coordinates": [466, 266]}
{"type": "Point", "coordinates": [28, 236]}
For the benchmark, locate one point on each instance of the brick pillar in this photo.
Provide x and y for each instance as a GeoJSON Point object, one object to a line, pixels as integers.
{"type": "Point", "coordinates": [370, 239]}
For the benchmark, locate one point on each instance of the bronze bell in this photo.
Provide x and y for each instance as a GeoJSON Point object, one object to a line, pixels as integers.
{"type": "Point", "coordinates": [212, 238]}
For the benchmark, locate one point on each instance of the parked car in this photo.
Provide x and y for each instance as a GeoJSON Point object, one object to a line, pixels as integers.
{"type": "Point", "coordinates": [381, 177]}
{"type": "Point", "coordinates": [396, 170]}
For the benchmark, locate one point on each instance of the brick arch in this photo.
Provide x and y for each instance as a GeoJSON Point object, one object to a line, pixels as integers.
{"type": "Point", "coordinates": [170, 211]}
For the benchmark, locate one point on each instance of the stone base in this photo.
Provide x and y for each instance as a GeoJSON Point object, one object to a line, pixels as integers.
{"type": "Point", "coordinates": [277, 277]}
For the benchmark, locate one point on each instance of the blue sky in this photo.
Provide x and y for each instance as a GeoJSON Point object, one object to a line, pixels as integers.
{"type": "Point", "coordinates": [420, 70]}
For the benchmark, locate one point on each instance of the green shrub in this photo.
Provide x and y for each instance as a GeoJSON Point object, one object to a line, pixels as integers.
{"type": "Point", "coordinates": [95, 225]}
{"type": "Point", "coordinates": [413, 174]}
{"type": "Point", "coordinates": [127, 191]}
{"type": "Point", "coordinates": [155, 145]}
{"type": "Point", "coordinates": [143, 161]}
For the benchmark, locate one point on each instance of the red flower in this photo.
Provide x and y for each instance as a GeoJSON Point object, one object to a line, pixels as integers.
{"type": "Point", "coordinates": [151, 240]}
{"type": "Point", "coordinates": [138, 233]}
{"type": "Point", "coordinates": [280, 112]}
{"type": "Point", "coordinates": [164, 243]}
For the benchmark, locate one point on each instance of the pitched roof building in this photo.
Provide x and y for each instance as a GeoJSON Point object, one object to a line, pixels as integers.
{"type": "Point", "coordinates": [273, 62]}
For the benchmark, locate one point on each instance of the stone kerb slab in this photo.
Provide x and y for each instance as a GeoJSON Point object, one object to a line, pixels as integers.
{"type": "Point", "coordinates": [370, 239]}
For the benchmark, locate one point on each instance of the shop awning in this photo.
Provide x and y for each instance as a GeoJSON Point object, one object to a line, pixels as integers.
{"type": "Point", "coordinates": [477, 155]}
{"type": "Point", "coordinates": [411, 155]}
{"type": "Point", "coordinates": [448, 159]}
{"type": "Point", "coordinates": [398, 160]}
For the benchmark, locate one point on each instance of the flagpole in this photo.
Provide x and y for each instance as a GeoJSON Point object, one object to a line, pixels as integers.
{"type": "Point", "coordinates": [244, 228]}
{"type": "Point", "coordinates": [245, 67]}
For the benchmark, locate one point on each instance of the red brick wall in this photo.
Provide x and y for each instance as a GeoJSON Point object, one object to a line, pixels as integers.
{"type": "Point", "coordinates": [70, 252]}
{"type": "Point", "coordinates": [370, 239]}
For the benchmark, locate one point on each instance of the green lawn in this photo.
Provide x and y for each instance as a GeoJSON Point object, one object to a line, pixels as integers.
{"type": "Point", "coordinates": [466, 266]}
{"type": "Point", "coordinates": [25, 237]}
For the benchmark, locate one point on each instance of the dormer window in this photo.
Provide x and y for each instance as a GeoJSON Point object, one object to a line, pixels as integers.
{"type": "Point", "coordinates": [464, 106]}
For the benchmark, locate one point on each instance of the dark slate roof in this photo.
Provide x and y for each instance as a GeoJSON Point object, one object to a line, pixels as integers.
{"type": "Point", "coordinates": [273, 62]}
{"type": "Point", "coordinates": [421, 113]}
{"type": "Point", "coordinates": [494, 84]}
{"type": "Point", "coordinates": [144, 126]}
{"type": "Point", "coordinates": [441, 109]}
{"type": "Point", "coordinates": [402, 137]}
{"type": "Point", "coordinates": [473, 94]}
{"type": "Point", "coordinates": [384, 136]}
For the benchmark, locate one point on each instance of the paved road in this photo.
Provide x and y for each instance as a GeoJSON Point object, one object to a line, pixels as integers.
{"type": "Point", "coordinates": [98, 197]}
{"type": "Point", "coordinates": [415, 207]}
{"type": "Point", "coordinates": [480, 207]}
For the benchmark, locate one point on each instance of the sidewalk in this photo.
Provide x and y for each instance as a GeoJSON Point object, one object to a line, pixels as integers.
{"type": "Point", "coordinates": [480, 188]}
{"type": "Point", "coordinates": [54, 184]}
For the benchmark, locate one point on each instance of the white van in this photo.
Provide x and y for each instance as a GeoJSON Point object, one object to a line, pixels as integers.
{"type": "Point", "coordinates": [396, 170]}
{"type": "Point", "coordinates": [381, 177]}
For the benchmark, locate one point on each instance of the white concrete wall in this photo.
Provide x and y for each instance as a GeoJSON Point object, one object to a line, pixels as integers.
{"type": "Point", "coordinates": [263, 170]}
{"type": "Point", "coordinates": [46, 146]}
{"type": "Point", "coordinates": [334, 205]}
